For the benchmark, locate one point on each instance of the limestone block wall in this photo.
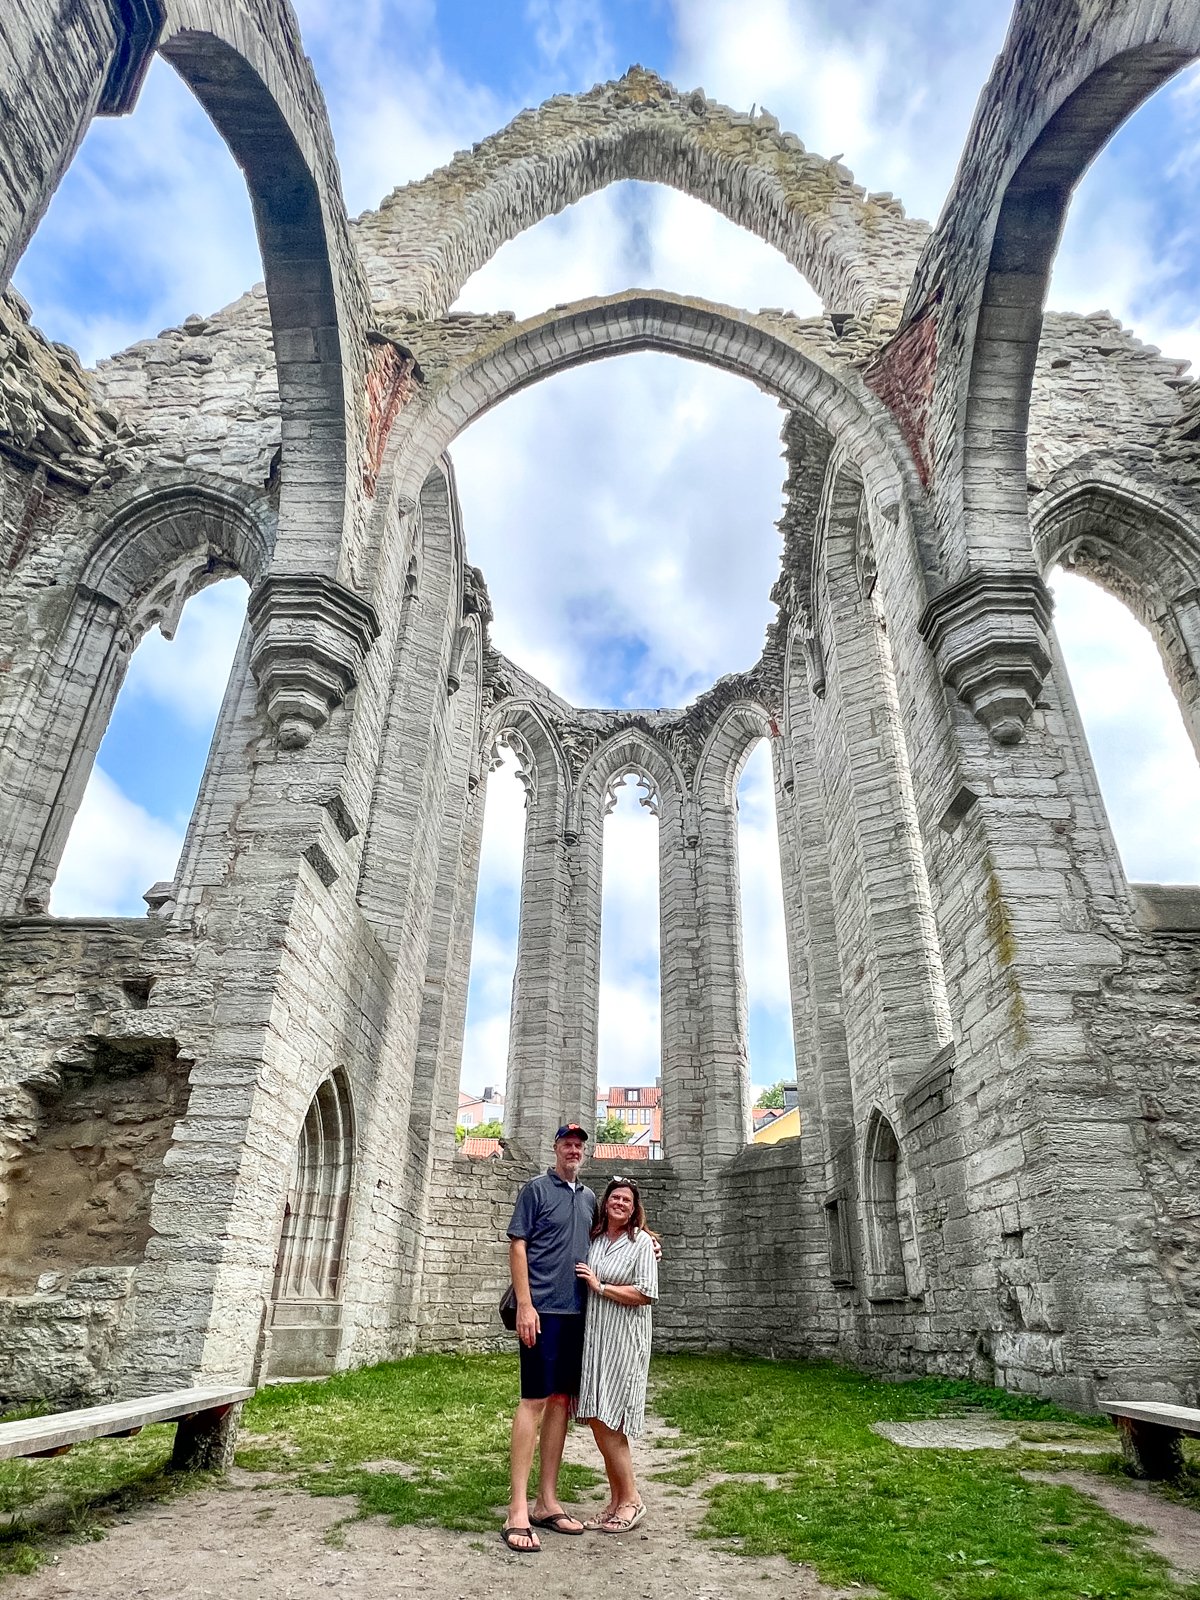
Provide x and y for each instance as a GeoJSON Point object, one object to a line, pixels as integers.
{"type": "Point", "coordinates": [996, 1055]}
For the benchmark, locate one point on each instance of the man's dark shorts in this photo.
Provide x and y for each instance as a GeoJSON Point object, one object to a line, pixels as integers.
{"type": "Point", "coordinates": [554, 1364]}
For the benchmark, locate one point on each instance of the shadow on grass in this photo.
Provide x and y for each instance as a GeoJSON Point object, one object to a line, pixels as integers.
{"type": "Point", "coordinates": [75, 1495]}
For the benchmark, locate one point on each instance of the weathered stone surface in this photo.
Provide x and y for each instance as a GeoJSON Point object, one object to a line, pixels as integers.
{"type": "Point", "coordinates": [249, 1096]}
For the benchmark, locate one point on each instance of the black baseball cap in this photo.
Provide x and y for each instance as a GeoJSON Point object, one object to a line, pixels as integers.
{"type": "Point", "coordinates": [570, 1130]}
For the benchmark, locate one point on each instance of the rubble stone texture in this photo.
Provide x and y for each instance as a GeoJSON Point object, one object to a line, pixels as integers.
{"type": "Point", "coordinates": [226, 1129]}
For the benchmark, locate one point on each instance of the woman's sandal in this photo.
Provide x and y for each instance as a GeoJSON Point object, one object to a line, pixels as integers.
{"type": "Point", "coordinates": [622, 1524]}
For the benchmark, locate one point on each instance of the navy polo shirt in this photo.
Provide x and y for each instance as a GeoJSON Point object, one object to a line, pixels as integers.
{"type": "Point", "coordinates": [554, 1220]}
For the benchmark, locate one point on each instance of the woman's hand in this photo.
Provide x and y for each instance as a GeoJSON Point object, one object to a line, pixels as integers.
{"type": "Point", "coordinates": [582, 1270]}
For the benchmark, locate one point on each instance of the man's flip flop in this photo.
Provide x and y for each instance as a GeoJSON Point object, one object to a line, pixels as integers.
{"type": "Point", "coordinates": [555, 1520]}
{"type": "Point", "coordinates": [509, 1534]}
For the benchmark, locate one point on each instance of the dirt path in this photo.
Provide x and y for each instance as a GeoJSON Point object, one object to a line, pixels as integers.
{"type": "Point", "coordinates": [1173, 1530]}
{"type": "Point", "coordinates": [247, 1540]}
{"type": "Point", "coordinates": [255, 1537]}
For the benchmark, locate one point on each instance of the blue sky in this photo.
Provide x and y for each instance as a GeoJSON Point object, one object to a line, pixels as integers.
{"type": "Point", "coordinates": [623, 513]}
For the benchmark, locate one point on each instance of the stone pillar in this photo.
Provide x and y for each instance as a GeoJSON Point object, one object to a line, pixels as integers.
{"type": "Point", "coordinates": [724, 1051]}
{"type": "Point", "coordinates": [809, 906]}
{"type": "Point", "coordinates": [581, 997]}
{"type": "Point", "coordinates": [48, 750]}
{"type": "Point", "coordinates": [534, 1092]}
{"type": "Point", "coordinates": [683, 1079]}
{"type": "Point", "coordinates": [800, 984]}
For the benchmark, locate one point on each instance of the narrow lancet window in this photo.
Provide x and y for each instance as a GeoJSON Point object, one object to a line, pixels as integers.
{"type": "Point", "coordinates": [494, 943]}
{"type": "Point", "coordinates": [764, 953]}
{"type": "Point", "coordinates": [629, 1049]}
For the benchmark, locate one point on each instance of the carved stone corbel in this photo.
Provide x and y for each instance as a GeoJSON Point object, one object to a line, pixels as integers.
{"type": "Point", "coordinates": [990, 636]}
{"type": "Point", "coordinates": [310, 638]}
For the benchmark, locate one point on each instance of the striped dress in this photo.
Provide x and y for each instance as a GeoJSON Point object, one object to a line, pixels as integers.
{"type": "Point", "coordinates": [616, 1341]}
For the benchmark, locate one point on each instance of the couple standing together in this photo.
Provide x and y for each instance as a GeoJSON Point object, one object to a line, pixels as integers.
{"type": "Point", "coordinates": [585, 1276]}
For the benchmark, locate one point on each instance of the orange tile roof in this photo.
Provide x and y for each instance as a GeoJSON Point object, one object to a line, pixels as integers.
{"type": "Point", "coordinates": [616, 1152]}
{"type": "Point", "coordinates": [645, 1096]}
{"type": "Point", "coordinates": [479, 1149]}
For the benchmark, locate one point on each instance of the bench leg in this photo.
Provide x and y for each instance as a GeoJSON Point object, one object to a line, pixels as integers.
{"type": "Point", "coordinates": [204, 1442]}
{"type": "Point", "coordinates": [1150, 1451]}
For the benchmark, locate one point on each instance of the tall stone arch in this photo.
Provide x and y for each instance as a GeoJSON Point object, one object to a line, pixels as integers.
{"type": "Point", "coordinates": [426, 240]}
{"type": "Point", "coordinates": [973, 320]}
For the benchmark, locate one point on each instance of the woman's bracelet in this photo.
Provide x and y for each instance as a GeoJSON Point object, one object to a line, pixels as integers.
{"type": "Point", "coordinates": [600, 1287]}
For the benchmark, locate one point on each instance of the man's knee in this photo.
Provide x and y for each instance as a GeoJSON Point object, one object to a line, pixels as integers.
{"type": "Point", "coordinates": [531, 1408]}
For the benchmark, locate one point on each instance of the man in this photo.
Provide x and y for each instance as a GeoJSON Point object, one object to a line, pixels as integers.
{"type": "Point", "coordinates": [548, 1235]}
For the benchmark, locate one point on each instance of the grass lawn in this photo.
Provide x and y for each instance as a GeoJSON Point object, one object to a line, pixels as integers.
{"type": "Point", "coordinates": [913, 1524]}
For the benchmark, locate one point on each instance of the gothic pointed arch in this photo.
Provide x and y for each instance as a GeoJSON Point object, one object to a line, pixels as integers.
{"type": "Point", "coordinates": [467, 378]}
{"type": "Point", "coordinates": [728, 745]}
{"type": "Point", "coordinates": [883, 1210]}
{"type": "Point", "coordinates": [628, 751]}
{"type": "Point", "coordinates": [980, 287]}
{"type": "Point", "coordinates": [542, 761]}
{"type": "Point", "coordinates": [427, 239]}
{"type": "Point", "coordinates": [264, 101]}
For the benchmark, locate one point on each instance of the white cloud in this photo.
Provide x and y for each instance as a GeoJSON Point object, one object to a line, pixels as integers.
{"type": "Point", "coordinates": [1147, 769]}
{"type": "Point", "coordinates": [152, 222]}
{"type": "Point", "coordinates": [187, 675]}
{"type": "Point", "coordinates": [397, 107]}
{"type": "Point", "coordinates": [636, 235]}
{"type": "Point", "coordinates": [115, 852]}
{"type": "Point", "coordinates": [494, 941]}
{"type": "Point", "coordinates": [889, 88]}
{"type": "Point", "coordinates": [623, 514]}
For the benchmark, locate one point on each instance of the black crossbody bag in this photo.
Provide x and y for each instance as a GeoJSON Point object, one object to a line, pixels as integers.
{"type": "Point", "coordinates": [508, 1309]}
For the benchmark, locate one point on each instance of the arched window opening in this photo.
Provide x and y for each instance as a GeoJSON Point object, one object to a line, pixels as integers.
{"type": "Point", "coordinates": [494, 946]}
{"type": "Point", "coordinates": [629, 1040]}
{"type": "Point", "coordinates": [1130, 233]}
{"type": "Point", "coordinates": [129, 828]}
{"type": "Point", "coordinates": [1144, 760]}
{"type": "Point", "coordinates": [637, 233]}
{"type": "Point", "coordinates": [311, 1244]}
{"type": "Point", "coordinates": [892, 1260]}
{"type": "Point", "coordinates": [150, 224]}
{"type": "Point", "coordinates": [620, 590]}
{"type": "Point", "coordinates": [764, 954]}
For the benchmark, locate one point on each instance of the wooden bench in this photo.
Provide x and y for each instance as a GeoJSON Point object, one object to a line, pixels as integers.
{"type": "Point", "coordinates": [206, 1428]}
{"type": "Point", "coordinates": [1151, 1434]}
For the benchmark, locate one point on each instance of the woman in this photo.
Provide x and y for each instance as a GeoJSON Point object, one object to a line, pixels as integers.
{"type": "Point", "coordinates": [622, 1274]}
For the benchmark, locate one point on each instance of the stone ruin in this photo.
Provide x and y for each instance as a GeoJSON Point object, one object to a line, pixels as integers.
{"type": "Point", "coordinates": [227, 1127]}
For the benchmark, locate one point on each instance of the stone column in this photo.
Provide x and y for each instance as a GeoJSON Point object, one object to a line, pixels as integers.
{"type": "Point", "coordinates": [809, 906]}
{"type": "Point", "coordinates": [724, 1052]}
{"type": "Point", "coordinates": [534, 1092]}
{"type": "Point", "coordinates": [581, 994]}
{"type": "Point", "coordinates": [683, 1080]}
{"type": "Point", "coordinates": [800, 983]}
